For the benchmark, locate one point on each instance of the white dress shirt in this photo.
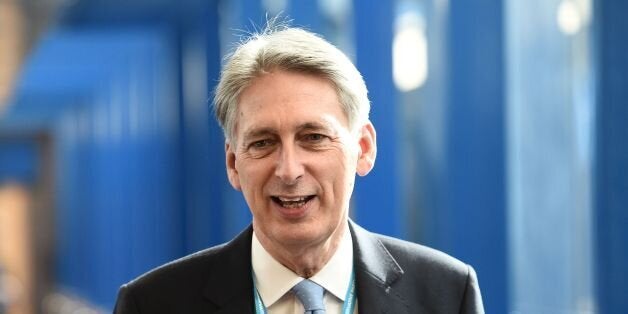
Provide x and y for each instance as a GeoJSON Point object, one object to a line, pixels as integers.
{"type": "Point", "coordinates": [274, 281]}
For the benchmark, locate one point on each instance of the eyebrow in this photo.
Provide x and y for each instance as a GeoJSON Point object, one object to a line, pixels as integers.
{"type": "Point", "coordinates": [257, 132]}
{"type": "Point", "coordinates": [307, 126]}
{"type": "Point", "coordinates": [315, 126]}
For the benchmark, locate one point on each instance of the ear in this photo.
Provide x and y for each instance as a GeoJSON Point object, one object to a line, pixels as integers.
{"type": "Point", "coordinates": [368, 149]}
{"type": "Point", "coordinates": [232, 172]}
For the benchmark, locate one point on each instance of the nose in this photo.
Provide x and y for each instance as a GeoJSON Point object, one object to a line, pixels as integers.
{"type": "Point", "coordinates": [289, 166]}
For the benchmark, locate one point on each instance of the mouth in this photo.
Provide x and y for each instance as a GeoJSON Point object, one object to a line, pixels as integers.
{"type": "Point", "coordinates": [292, 202]}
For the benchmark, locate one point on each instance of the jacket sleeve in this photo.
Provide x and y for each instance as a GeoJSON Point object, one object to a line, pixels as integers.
{"type": "Point", "coordinates": [472, 299]}
{"type": "Point", "coordinates": [125, 304]}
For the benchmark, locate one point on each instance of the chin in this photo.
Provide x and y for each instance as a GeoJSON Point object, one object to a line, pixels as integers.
{"type": "Point", "coordinates": [304, 235]}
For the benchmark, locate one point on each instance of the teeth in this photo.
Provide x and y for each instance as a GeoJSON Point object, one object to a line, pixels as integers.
{"type": "Point", "coordinates": [292, 202]}
{"type": "Point", "coordinates": [297, 199]}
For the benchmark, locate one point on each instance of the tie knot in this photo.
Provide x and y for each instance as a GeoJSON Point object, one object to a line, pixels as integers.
{"type": "Point", "coordinates": [311, 296]}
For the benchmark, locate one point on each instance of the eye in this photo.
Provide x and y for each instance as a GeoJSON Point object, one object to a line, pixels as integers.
{"type": "Point", "coordinates": [260, 144]}
{"type": "Point", "coordinates": [315, 137]}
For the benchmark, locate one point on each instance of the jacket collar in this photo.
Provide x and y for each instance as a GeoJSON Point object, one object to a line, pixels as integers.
{"type": "Point", "coordinates": [230, 285]}
{"type": "Point", "coordinates": [376, 273]}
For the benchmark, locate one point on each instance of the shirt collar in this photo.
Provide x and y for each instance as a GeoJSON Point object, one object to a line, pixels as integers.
{"type": "Point", "coordinates": [273, 280]}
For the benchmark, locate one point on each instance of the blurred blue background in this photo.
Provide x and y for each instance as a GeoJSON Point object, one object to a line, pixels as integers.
{"type": "Point", "coordinates": [502, 130]}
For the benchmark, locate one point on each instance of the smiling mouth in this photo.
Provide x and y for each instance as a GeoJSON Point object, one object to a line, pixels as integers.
{"type": "Point", "coordinates": [292, 202]}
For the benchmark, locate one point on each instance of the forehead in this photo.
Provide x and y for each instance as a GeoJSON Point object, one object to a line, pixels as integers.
{"type": "Point", "coordinates": [281, 98]}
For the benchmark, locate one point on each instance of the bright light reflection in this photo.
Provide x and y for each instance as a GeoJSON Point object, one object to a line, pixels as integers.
{"type": "Point", "coordinates": [409, 54]}
{"type": "Point", "coordinates": [569, 17]}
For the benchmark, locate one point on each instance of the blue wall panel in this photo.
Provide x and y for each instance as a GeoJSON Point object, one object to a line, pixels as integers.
{"type": "Point", "coordinates": [549, 116]}
{"type": "Point", "coordinates": [203, 186]}
{"type": "Point", "coordinates": [219, 186]}
{"type": "Point", "coordinates": [306, 14]}
{"type": "Point", "coordinates": [19, 161]}
{"type": "Point", "coordinates": [473, 221]}
{"type": "Point", "coordinates": [377, 200]}
{"type": "Point", "coordinates": [611, 184]}
{"type": "Point", "coordinates": [114, 135]}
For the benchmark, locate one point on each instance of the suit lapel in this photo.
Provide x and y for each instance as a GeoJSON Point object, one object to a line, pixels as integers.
{"type": "Point", "coordinates": [230, 285]}
{"type": "Point", "coordinates": [376, 273]}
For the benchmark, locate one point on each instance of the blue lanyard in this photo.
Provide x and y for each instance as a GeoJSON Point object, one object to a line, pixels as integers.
{"type": "Point", "coordinates": [347, 308]}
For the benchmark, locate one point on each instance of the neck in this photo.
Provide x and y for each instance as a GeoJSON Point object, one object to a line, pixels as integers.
{"type": "Point", "coordinates": [304, 260]}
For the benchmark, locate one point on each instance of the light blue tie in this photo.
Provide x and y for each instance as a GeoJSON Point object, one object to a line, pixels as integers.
{"type": "Point", "coordinates": [311, 296]}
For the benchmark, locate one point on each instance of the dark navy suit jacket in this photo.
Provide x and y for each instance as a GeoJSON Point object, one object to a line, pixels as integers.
{"type": "Point", "coordinates": [392, 276]}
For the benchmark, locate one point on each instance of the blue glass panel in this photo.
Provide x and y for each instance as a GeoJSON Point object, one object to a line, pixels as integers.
{"type": "Point", "coordinates": [611, 178]}
{"type": "Point", "coordinates": [549, 161]}
{"type": "Point", "coordinates": [19, 160]}
{"type": "Point", "coordinates": [473, 217]}
{"type": "Point", "coordinates": [377, 198]}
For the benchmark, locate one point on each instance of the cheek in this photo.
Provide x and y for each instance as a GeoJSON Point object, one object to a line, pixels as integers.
{"type": "Point", "coordinates": [252, 174]}
{"type": "Point", "coordinates": [344, 163]}
{"type": "Point", "coordinates": [339, 171]}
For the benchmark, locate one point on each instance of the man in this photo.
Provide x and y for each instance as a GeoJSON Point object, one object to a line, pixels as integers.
{"type": "Point", "coordinates": [294, 111]}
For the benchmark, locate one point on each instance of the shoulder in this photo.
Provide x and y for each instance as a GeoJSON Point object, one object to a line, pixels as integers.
{"type": "Point", "coordinates": [184, 283]}
{"type": "Point", "coordinates": [408, 256]}
{"type": "Point", "coordinates": [449, 284]}
{"type": "Point", "coordinates": [197, 266]}
{"type": "Point", "coordinates": [424, 277]}
{"type": "Point", "coordinates": [422, 268]}
{"type": "Point", "coordinates": [186, 269]}
{"type": "Point", "coordinates": [166, 288]}
{"type": "Point", "coordinates": [416, 256]}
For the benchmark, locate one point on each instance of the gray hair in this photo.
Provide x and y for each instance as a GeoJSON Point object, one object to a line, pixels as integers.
{"type": "Point", "coordinates": [291, 49]}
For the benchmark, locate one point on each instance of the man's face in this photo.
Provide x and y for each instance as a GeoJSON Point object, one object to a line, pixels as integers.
{"type": "Point", "coordinates": [294, 158]}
